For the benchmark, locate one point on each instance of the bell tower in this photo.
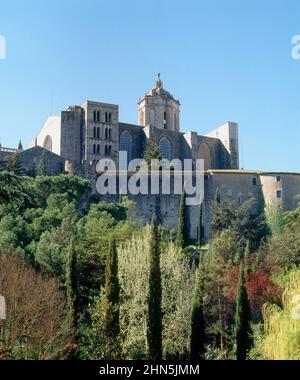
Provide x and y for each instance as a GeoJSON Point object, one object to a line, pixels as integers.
{"type": "Point", "coordinates": [158, 108]}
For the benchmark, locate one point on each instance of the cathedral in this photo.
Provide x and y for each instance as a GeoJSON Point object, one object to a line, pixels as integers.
{"type": "Point", "coordinates": [80, 136]}
{"type": "Point", "coordinates": [93, 131]}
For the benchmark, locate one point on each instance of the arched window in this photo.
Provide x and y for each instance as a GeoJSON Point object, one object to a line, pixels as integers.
{"type": "Point", "coordinates": [126, 144]}
{"type": "Point", "coordinates": [165, 148]}
{"type": "Point", "coordinates": [48, 143]}
{"type": "Point", "coordinates": [98, 133]}
{"type": "Point", "coordinates": [106, 133]}
{"type": "Point", "coordinates": [165, 120]}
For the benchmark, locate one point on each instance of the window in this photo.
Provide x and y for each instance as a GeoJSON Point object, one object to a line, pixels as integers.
{"type": "Point", "coordinates": [109, 134]}
{"type": "Point", "coordinates": [94, 132]}
{"type": "Point", "coordinates": [165, 120]}
{"type": "Point", "coordinates": [126, 144]}
{"type": "Point", "coordinates": [94, 148]}
{"type": "Point", "coordinates": [107, 117]}
{"type": "Point", "coordinates": [98, 133]}
{"type": "Point", "coordinates": [254, 181]}
{"type": "Point", "coordinates": [106, 133]}
{"type": "Point", "coordinates": [165, 148]}
{"type": "Point", "coordinates": [109, 150]}
{"type": "Point", "coordinates": [98, 116]}
{"type": "Point", "coordinates": [94, 116]}
{"type": "Point", "coordinates": [279, 194]}
{"type": "Point", "coordinates": [48, 143]}
{"type": "Point", "coordinates": [278, 178]}
{"type": "Point", "coordinates": [98, 148]}
{"type": "Point", "coordinates": [105, 150]}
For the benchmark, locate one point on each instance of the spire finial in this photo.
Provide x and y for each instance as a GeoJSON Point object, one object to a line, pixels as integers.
{"type": "Point", "coordinates": [159, 83]}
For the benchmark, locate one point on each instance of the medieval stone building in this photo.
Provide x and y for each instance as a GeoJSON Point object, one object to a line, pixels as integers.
{"type": "Point", "coordinates": [82, 135]}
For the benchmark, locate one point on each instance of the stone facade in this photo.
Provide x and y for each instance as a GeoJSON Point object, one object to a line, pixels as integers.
{"type": "Point", "coordinates": [82, 135]}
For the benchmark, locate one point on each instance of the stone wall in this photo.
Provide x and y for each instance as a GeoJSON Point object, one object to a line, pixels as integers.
{"type": "Point", "coordinates": [32, 157]}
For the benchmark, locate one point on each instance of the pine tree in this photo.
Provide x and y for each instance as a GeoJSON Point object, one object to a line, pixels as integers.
{"type": "Point", "coordinates": [112, 293]}
{"type": "Point", "coordinates": [154, 333]}
{"type": "Point", "coordinates": [41, 169]}
{"type": "Point", "coordinates": [200, 227]}
{"type": "Point", "coordinates": [243, 333]}
{"type": "Point", "coordinates": [197, 347]}
{"type": "Point", "coordinates": [14, 165]}
{"type": "Point", "coordinates": [151, 152]}
{"type": "Point", "coordinates": [182, 239]}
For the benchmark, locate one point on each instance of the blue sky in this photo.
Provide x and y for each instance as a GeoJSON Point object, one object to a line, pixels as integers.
{"type": "Point", "coordinates": [223, 59]}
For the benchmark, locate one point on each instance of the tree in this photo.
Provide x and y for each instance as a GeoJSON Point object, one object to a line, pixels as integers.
{"type": "Point", "coordinates": [197, 347]}
{"type": "Point", "coordinates": [247, 259]}
{"type": "Point", "coordinates": [243, 333]}
{"type": "Point", "coordinates": [112, 293]}
{"type": "Point", "coordinates": [41, 169]}
{"type": "Point", "coordinates": [281, 324]}
{"type": "Point", "coordinates": [14, 165]}
{"type": "Point", "coordinates": [182, 239]}
{"type": "Point", "coordinates": [151, 152]}
{"type": "Point", "coordinates": [154, 331]}
{"type": "Point", "coordinates": [72, 291]}
{"type": "Point", "coordinates": [200, 227]}
{"type": "Point", "coordinates": [35, 311]}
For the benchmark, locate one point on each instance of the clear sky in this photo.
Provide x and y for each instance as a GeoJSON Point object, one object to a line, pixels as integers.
{"type": "Point", "coordinates": [225, 60]}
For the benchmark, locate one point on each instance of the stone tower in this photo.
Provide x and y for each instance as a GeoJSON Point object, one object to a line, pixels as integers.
{"type": "Point", "coordinates": [159, 108]}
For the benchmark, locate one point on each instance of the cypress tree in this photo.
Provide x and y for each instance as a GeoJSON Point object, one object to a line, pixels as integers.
{"type": "Point", "coordinates": [151, 152]}
{"type": "Point", "coordinates": [216, 214]}
{"type": "Point", "coordinates": [72, 295]}
{"type": "Point", "coordinates": [112, 293]}
{"type": "Point", "coordinates": [182, 240]}
{"type": "Point", "coordinates": [197, 347]}
{"type": "Point", "coordinates": [247, 259]}
{"type": "Point", "coordinates": [72, 288]}
{"type": "Point", "coordinates": [243, 333]}
{"type": "Point", "coordinates": [41, 169]}
{"type": "Point", "coordinates": [200, 227]}
{"type": "Point", "coordinates": [154, 331]}
{"type": "Point", "coordinates": [14, 165]}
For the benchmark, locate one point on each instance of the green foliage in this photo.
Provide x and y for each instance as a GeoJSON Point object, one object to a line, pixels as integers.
{"type": "Point", "coordinates": [151, 152]}
{"type": "Point", "coordinates": [200, 226]}
{"type": "Point", "coordinates": [14, 165]}
{"type": "Point", "coordinates": [154, 329]}
{"type": "Point", "coordinates": [197, 348]}
{"type": "Point", "coordinates": [275, 219]}
{"type": "Point", "coordinates": [243, 332]}
{"type": "Point", "coordinates": [112, 293]}
{"type": "Point", "coordinates": [53, 245]}
{"type": "Point", "coordinates": [41, 168]}
{"type": "Point", "coordinates": [182, 238]}
{"type": "Point", "coordinates": [177, 280]}
{"type": "Point", "coordinates": [72, 295]}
